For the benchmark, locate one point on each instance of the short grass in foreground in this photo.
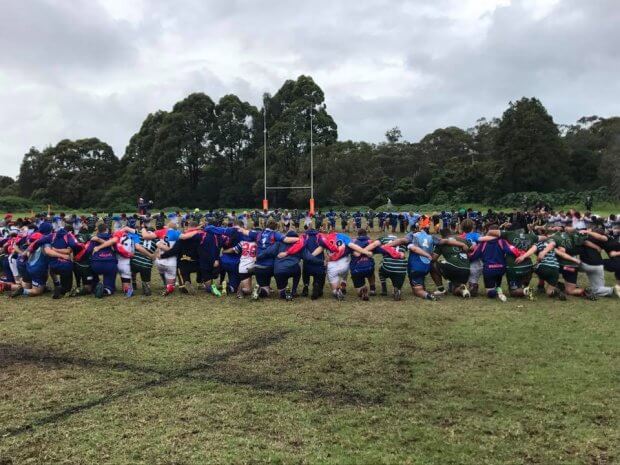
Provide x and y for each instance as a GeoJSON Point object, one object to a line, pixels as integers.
{"type": "Point", "coordinates": [193, 380]}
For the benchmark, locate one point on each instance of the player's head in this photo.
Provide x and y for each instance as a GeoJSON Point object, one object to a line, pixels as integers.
{"type": "Point", "coordinates": [467, 226]}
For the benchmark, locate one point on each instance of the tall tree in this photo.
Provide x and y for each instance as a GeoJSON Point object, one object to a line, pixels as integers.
{"type": "Point", "coordinates": [393, 135]}
{"type": "Point", "coordinates": [235, 132]}
{"type": "Point", "coordinates": [137, 163]}
{"type": "Point", "coordinates": [288, 126]}
{"type": "Point", "coordinates": [31, 173]}
{"type": "Point", "coordinates": [534, 157]}
{"type": "Point", "coordinates": [80, 172]}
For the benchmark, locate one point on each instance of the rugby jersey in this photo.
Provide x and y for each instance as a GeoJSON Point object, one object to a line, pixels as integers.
{"type": "Point", "coordinates": [393, 265]}
{"type": "Point", "coordinates": [550, 260]}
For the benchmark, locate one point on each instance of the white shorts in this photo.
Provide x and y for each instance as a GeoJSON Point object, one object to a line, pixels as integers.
{"type": "Point", "coordinates": [124, 268]}
{"type": "Point", "coordinates": [13, 267]}
{"type": "Point", "coordinates": [169, 271]}
{"type": "Point", "coordinates": [338, 271]}
{"type": "Point", "coordinates": [475, 270]}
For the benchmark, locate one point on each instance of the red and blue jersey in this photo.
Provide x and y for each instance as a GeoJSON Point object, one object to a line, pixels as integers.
{"type": "Point", "coordinates": [361, 264]}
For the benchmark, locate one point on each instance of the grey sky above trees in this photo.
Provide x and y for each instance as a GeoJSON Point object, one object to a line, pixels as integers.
{"type": "Point", "coordinates": [91, 68]}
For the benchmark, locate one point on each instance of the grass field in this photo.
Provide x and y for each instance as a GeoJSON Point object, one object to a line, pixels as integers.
{"type": "Point", "coordinates": [193, 380]}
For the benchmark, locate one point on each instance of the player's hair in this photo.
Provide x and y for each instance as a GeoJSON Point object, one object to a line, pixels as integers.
{"type": "Point", "coordinates": [361, 232]}
{"type": "Point", "coordinates": [272, 224]}
{"type": "Point", "coordinates": [467, 225]}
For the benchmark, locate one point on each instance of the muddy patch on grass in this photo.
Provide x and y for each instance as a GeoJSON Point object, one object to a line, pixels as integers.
{"type": "Point", "coordinates": [10, 354]}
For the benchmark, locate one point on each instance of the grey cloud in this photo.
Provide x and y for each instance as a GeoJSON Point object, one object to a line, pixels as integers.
{"type": "Point", "coordinates": [42, 37]}
{"type": "Point", "coordinates": [68, 69]}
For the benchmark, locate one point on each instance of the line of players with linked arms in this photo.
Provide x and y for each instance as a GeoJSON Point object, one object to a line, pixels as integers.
{"type": "Point", "coordinates": [468, 245]}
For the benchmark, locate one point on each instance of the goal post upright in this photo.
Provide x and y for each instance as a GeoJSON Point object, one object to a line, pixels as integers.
{"type": "Point", "coordinates": [265, 187]}
{"type": "Point", "coordinates": [265, 201]}
{"type": "Point", "coordinates": [311, 167]}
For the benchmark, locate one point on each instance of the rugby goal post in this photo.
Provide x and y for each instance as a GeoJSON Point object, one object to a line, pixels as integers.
{"type": "Point", "coordinates": [266, 187]}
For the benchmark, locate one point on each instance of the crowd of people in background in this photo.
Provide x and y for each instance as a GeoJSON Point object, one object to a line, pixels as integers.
{"type": "Point", "coordinates": [291, 253]}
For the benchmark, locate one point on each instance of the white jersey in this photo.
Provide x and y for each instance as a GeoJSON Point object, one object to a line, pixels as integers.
{"type": "Point", "coordinates": [170, 261]}
{"type": "Point", "coordinates": [247, 259]}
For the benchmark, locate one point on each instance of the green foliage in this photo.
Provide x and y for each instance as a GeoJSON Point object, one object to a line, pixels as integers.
{"type": "Point", "coordinates": [554, 199]}
{"type": "Point", "coordinates": [12, 203]}
{"type": "Point", "coordinates": [533, 155]}
{"type": "Point", "coordinates": [207, 154]}
{"type": "Point", "coordinates": [72, 173]}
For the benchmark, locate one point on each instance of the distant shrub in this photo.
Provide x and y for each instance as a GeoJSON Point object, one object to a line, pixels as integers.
{"type": "Point", "coordinates": [10, 203]}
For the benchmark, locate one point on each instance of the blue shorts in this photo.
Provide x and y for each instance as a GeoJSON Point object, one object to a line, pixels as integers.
{"type": "Point", "coordinates": [38, 279]}
{"type": "Point", "coordinates": [416, 278]}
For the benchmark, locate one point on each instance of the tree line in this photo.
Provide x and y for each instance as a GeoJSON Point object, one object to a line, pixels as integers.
{"type": "Point", "coordinates": [204, 153]}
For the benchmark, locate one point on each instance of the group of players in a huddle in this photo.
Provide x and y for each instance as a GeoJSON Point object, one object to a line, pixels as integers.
{"type": "Point", "coordinates": [243, 254]}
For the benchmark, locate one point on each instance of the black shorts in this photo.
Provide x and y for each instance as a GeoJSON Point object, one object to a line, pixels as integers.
{"type": "Point", "coordinates": [398, 279]}
{"type": "Point", "coordinates": [145, 273]}
{"type": "Point", "coordinates": [359, 279]}
{"type": "Point", "coordinates": [613, 265]}
{"type": "Point", "coordinates": [208, 272]}
{"type": "Point", "coordinates": [263, 276]}
{"type": "Point", "coordinates": [569, 273]}
{"type": "Point", "coordinates": [453, 274]}
{"type": "Point", "coordinates": [283, 278]}
{"type": "Point", "coordinates": [548, 274]}
{"type": "Point", "coordinates": [85, 272]}
{"type": "Point", "coordinates": [492, 279]}
{"type": "Point", "coordinates": [244, 276]}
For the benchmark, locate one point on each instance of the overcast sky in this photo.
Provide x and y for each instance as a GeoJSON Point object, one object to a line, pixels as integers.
{"type": "Point", "coordinates": [96, 68]}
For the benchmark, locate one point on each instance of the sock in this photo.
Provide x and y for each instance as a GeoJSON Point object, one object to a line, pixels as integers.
{"type": "Point", "coordinates": [27, 292]}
